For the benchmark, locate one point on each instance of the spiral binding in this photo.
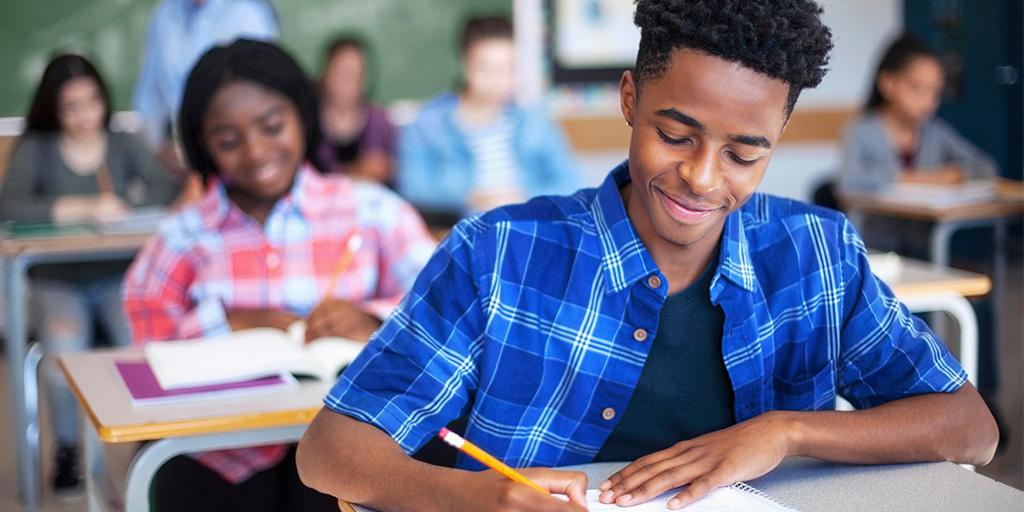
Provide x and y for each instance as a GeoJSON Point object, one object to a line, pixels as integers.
{"type": "Point", "coordinates": [743, 487]}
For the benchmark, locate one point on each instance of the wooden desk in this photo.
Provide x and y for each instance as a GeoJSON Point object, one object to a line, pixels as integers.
{"type": "Point", "coordinates": [19, 255]}
{"type": "Point", "coordinates": [277, 417]}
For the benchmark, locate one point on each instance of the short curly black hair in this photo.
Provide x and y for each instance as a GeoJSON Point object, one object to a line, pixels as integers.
{"type": "Point", "coordinates": [783, 39]}
{"type": "Point", "coordinates": [245, 60]}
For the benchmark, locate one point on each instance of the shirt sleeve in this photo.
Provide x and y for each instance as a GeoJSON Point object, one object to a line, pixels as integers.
{"type": "Point", "coordinates": [158, 187]}
{"type": "Point", "coordinates": [406, 246]}
{"type": "Point", "coordinates": [156, 297]}
{"type": "Point", "coordinates": [958, 150]}
{"type": "Point", "coordinates": [419, 371]}
{"type": "Point", "coordinates": [886, 352]}
{"type": "Point", "coordinates": [20, 197]}
{"type": "Point", "coordinates": [858, 170]}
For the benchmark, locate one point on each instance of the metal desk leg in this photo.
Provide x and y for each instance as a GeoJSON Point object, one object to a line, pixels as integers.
{"type": "Point", "coordinates": [942, 235]}
{"type": "Point", "coordinates": [30, 370]}
{"type": "Point", "coordinates": [96, 476]}
{"type": "Point", "coordinates": [16, 339]}
{"type": "Point", "coordinates": [960, 309]}
{"type": "Point", "coordinates": [153, 455]}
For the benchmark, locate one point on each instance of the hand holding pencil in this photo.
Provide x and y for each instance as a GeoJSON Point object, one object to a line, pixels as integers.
{"type": "Point", "coordinates": [524, 489]}
{"type": "Point", "coordinates": [338, 317]}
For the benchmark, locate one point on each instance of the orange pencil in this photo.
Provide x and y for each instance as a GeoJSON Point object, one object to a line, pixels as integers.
{"type": "Point", "coordinates": [486, 459]}
{"type": "Point", "coordinates": [352, 245]}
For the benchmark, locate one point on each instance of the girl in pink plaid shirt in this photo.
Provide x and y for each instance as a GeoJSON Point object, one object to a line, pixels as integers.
{"type": "Point", "coordinates": [260, 249]}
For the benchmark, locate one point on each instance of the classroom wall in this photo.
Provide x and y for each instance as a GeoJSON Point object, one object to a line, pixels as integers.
{"type": "Point", "coordinates": [414, 40]}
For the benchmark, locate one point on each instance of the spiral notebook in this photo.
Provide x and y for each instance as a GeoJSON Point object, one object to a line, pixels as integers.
{"type": "Point", "coordinates": [737, 497]}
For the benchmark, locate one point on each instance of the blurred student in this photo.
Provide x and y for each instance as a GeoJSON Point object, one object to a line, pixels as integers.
{"type": "Point", "coordinates": [260, 250]}
{"type": "Point", "coordinates": [477, 149]}
{"type": "Point", "coordinates": [898, 139]}
{"type": "Point", "coordinates": [68, 167]}
{"type": "Point", "coordinates": [179, 32]}
{"type": "Point", "coordinates": [359, 139]}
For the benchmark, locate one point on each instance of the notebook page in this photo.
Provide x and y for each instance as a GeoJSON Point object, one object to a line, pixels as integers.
{"type": "Point", "coordinates": [738, 498]}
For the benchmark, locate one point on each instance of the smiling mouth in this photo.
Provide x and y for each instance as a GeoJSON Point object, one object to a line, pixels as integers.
{"type": "Point", "coordinates": [267, 172]}
{"type": "Point", "coordinates": [685, 212]}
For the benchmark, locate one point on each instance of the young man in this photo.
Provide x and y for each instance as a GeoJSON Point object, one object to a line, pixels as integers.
{"type": "Point", "coordinates": [671, 316]}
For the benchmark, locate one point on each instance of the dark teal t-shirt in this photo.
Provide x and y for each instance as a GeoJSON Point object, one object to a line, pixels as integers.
{"type": "Point", "coordinates": [684, 390]}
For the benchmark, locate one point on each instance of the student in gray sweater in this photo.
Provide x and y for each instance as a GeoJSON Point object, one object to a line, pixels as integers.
{"type": "Point", "coordinates": [898, 139]}
{"type": "Point", "coordinates": [69, 167]}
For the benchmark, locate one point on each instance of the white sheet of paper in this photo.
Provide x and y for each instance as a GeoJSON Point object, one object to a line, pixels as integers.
{"type": "Point", "coordinates": [726, 499]}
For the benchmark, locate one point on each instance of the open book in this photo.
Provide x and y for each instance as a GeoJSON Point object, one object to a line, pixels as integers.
{"type": "Point", "coordinates": [248, 354]}
{"type": "Point", "coordinates": [942, 196]}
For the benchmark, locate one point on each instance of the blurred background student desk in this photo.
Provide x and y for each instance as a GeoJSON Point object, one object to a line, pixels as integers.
{"type": "Point", "coordinates": [809, 486]}
{"type": "Point", "coordinates": [946, 219]}
{"type": "Point", "coordinates": [173, 429]}
{"type": "Point", "coordinates": [72, 244]}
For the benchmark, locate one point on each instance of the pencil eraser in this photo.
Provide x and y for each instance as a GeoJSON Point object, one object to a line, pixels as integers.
{"type": "Point", "coordinates": [444, 432]}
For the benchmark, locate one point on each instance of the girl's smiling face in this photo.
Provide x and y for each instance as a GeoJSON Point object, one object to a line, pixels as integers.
{"type": "Point", "coordinates": [255, 137]}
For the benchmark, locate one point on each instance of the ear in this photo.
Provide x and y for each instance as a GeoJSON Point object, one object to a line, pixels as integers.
{"type": "Point", "coordinates": [627, 96]}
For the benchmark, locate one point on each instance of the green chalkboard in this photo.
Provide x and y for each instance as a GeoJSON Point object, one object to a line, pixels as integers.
{"type": "Point", "coordinates": [414, 40]}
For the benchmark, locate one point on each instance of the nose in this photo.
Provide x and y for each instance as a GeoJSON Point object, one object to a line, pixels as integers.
{"type": "Point", "coordinates": [256, 150]}
{"type": "Point", "coordinates": [700, 171]}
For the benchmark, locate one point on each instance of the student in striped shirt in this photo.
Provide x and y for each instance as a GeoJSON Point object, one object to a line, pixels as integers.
{"type": "Point", "coordinates": [672, 317]}
{"type": "Point", "coordinates": [477, 149]}
{"type": "Point", "coordinates": [260, 250]}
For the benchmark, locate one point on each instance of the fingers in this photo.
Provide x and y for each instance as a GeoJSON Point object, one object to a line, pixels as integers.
{"type": "Point", "coordinates": [332, 318]}
{"type": "Point", "coordinates": [570, 483]}
{"type": "Point", "coordinates": [644, 486]}
{"type": "Point", "coordinates": [700, 488]}
{"type": "Point", "coordinates": [642, 463]}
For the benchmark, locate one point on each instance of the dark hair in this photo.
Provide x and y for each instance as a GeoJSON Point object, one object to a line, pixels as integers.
{"type": "Point", "coordinates": [42, 114]}
{"type": "Point", "coordinates": [357, 43]}
{"type": "Point", "coordinates": [783, 39]}
{"type": "Point", "coordinates": [478, 28]}
{"type": "Point", "coordinates": [245, 60]}
{"type": "Point", "coordinates": [900, 52]}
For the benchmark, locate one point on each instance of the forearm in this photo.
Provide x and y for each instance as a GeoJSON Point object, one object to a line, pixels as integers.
{"type": "Point", "coordinates": [240, 319]}
{"type": "Point", "coordinates": [954, 427]}
{"type": "Point", "coordinates": [361, 464]}
{"type": "Point", "coordinates": [943, 175]}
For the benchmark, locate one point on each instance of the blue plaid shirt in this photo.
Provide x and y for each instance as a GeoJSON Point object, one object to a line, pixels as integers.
{"type": "Point", "coordinates": [536, 320]}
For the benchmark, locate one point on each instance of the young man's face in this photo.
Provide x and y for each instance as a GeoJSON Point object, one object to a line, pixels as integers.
{"type": "Point", "coordinates": [703, 132]}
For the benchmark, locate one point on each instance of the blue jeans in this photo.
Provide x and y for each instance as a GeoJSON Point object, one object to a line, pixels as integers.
{"type": "Point", "coordinates": [63, 318]}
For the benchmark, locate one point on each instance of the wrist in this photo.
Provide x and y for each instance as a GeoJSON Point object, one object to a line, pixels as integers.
{"type": "Point", "coordinates": [791, 430]}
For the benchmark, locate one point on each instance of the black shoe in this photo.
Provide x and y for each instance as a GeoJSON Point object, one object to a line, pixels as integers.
{"type": "Point", "coordinates": [67, 478]}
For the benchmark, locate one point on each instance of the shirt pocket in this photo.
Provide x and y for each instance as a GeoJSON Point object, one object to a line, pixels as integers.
{"type": "Point", "coordinates": [809, 391]}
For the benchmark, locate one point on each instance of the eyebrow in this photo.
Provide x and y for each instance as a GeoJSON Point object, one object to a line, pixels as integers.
{"type": "Point", "coordinates": [266, 114]}
{"type": "Point", "coordinates": [749, 140]}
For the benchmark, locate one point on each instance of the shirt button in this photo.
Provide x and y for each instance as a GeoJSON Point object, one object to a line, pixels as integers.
{"type": "Point", "coordinates": [608, 413]}
{"type": "Point", "coordinates": [640, 335]}
{"type": "Point", "coordinates": [654, 281]}
{"type": "Point", "coordinates": [273, 260]}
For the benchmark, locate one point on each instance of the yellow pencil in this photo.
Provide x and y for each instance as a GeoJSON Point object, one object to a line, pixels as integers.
{"type": "Point", "coordinates": [486, 459]}
{"type": "Point", "coordinates": [352, 245]}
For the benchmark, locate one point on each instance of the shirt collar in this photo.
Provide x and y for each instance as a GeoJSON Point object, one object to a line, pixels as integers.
{"type": "Point", "coordinates": [626, 259]}
{"type": "Point", "coordinates": [216, 208]}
